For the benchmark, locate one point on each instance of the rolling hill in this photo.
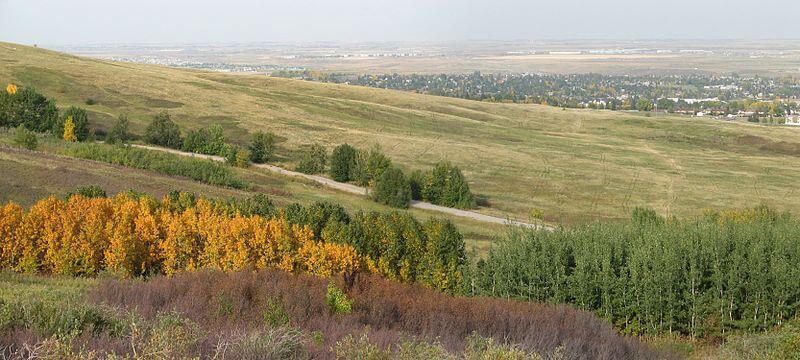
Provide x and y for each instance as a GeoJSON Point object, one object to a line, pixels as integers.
{"type": "Point", "coordinates": [574, 165]}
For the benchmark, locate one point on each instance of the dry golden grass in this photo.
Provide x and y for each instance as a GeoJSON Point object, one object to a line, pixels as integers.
{"type": "Point", "coordinates": [573, 164]}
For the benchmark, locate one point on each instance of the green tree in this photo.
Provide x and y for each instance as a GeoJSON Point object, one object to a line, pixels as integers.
{"type": "Point", "coordinates": [644, 105]}
{"type": "Point", "coordinates": [162, 131]}
{"type": "Point", "coordinates": [313, 161]}
{"type": "Point", "coordinates": [119, 133]}
{"type": "Point", "coordinates": [369, 166]}
{"type": "Point", "coordinates": [392, 189]}
{"type": "Point", "coordinates": [29, 108]}
{"type": "Point", "coordinates": [25, 138]}
{"type": "Point", "coordinates": [262, 147]}
{"type": "Point", "coordinates": [445, 185]}
{"type": "Point", "coordinates": [80, 120]}
{"type": "Point", "coordinates": [343, 162]}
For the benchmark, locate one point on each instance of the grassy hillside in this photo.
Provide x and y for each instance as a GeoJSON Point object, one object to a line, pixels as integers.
{"type": "Point", "coordinates": [572, 164]}
{"type": "Point", "coordinates": [36, 175]}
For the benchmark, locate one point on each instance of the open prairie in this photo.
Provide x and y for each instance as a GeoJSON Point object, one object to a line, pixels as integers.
{"type": "Point", "coordinates": [575, 165]}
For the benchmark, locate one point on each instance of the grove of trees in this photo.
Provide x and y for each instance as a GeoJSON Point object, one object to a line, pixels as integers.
{"type": "Point", "coordinates": [135, 234]}
{"type": "Point", "coordinates": [707, 277]}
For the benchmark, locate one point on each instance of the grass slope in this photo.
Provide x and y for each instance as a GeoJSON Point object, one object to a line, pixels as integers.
{"type": "Point", "coordinates": [573, 164]}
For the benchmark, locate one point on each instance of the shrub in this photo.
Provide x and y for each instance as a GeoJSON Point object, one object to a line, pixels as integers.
{"type": "Point", "coordinates": [91, 191]}
{"type": "Point", "coordinates": [384, 313]}
{"type": "Point", "coordinates": [89, 101]}
{"type": "Point", "coordinates": [274, 315]}
{"type": "Point", "coordinates": [337, 300]}
{"type": "Point", "coordinates": [392, 189]}
{"type": "Point", "coordinates": [237, 157]}
{"type": "Point", "coordinates": [25, 138]}
{"type": "Point", "coordinates": [262, 147]}
{"type": "Point", "coordinates": [80, 123]}
{"type": "Point", "coordinates": [210, 141]}
{"type": "Point", "coordinates": [119, 133]}
{"type": "Point", "coordinates": [69, 130]}
{"type": "Point", "coordinates": [369, 166]}
{"type": "Point", "coordinates": [206, 171]}
{"type": "Point", "coordinates": [343, 162]}
{"type": "Point", "coordinates": [313, 161]}
{"type": "Point", "coordinates": [28, 108]}
{"type": "Point", "coordinates": [162, 131]}
{"type": "Point", "coordinates": [445, 185]}
{"type": "Point", "coordinates": [351, 348]}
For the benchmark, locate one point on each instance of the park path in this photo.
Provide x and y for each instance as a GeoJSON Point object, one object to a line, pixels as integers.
{"type": "Point", "coordinates": [358, 190]}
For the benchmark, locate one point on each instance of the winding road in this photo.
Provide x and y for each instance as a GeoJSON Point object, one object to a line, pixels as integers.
{"type": "Point", "coordinates": [358, 190]}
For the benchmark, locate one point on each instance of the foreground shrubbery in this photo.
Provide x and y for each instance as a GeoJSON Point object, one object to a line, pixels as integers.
{"type": "Point", "coordinates": [735, 270]}
{"type": "Point", "coordinates": [206, 171]}
{"type": "Point", "coordinates": [201, 314]}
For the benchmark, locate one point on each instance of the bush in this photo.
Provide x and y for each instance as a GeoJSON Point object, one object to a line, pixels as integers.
{"type": "Point", "coordinates": [89, 101]}
{"type": "Point", "coordinates": [209, 141]}
{"type": "Point", "coordinates": [91, 191]}
{"type": "Point", "coordinates": [313, 161]}
{"type": "Point", "coordinates": [119, 133]}
{"type": "Point", "coordinates": [445, 185]}
{"type": "Point", "coordinates": [343, 162]}
{"type": "Point", "coordinates": [28, 108]}
{"type": "Point", "coordinates": [369, 166]}
{"type": "Point", "coordinates": [206, 171]}
{"type": "Point", "coordinates": [25, 138]}
{"type": "Point", "coordinates": [162, 131]}
{"type": "Point", "coordinates": [237, 157]}
{"type": "Point", "coordinates": [262, 147]}
{"type": "Point", "coordinates": [80, 123]}
{"type": "Point", "coordinates": [392, 189]}
{"type": "Point", "coordinates": [337, 300]}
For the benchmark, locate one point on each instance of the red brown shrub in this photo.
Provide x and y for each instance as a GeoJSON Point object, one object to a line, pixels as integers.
{"type": "Point", "coordinates": [388, 311]}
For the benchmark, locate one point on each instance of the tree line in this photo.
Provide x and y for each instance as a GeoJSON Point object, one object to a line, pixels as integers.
{"type": "Point", "coordinates": [707, 277]}
{"type": "Point", "coordinates": [134, 234]}
{"type": "Point", "coordinates": [443, 185]}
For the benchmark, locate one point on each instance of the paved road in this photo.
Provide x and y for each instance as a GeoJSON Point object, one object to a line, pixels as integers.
{"type": "Point", "coordinates": [358, 190]}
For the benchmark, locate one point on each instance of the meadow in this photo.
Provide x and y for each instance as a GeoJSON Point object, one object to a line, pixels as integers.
{"type": "Point", "coordinates": [571, 165]}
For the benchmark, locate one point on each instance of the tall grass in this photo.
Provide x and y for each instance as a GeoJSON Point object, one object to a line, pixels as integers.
{"type": "Point", "coordinates": [205, 171]}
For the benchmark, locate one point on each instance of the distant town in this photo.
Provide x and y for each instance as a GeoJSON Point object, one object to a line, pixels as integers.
{"type": "Point", "coordinates": [731, 97]}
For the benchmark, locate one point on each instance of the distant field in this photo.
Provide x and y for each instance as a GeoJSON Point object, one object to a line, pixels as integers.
{"type": "Point", "coordinates": [575, 165]}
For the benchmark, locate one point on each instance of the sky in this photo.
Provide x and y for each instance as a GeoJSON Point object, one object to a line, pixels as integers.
{"type": "Point", "coordinates": [83, 22]}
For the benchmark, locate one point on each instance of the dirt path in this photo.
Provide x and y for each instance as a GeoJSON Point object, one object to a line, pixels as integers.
{"type": "Point", "coordinates": [358, 190]}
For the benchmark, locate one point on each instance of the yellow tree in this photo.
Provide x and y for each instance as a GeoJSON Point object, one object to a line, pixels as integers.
{"type": "Point", "coordinates": [11, 89]}
{"type": "Point", "coordinates": [69, 130]}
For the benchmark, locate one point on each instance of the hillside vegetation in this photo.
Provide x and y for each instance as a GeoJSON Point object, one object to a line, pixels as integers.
{"type": "Point", "coordinates": [519, 159]}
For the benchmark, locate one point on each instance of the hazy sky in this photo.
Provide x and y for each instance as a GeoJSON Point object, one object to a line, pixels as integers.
{"type": "Point", "coordinates": [70, 22]}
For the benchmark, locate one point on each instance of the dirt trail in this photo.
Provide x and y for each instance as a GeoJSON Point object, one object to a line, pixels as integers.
{"type": "Point", "coordinates": [358, 190]}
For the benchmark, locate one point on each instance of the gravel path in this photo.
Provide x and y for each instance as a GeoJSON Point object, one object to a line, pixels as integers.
{"type": "Point", "coordinates": [358, 190]}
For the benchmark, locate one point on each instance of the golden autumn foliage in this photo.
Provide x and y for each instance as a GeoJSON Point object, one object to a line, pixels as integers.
{"type": "Point", "coordinates": [11, 89]}
{"type": "Point", "coordinates": [83, 236]}
{"type": "Point", "coordinates": [69, 130]}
